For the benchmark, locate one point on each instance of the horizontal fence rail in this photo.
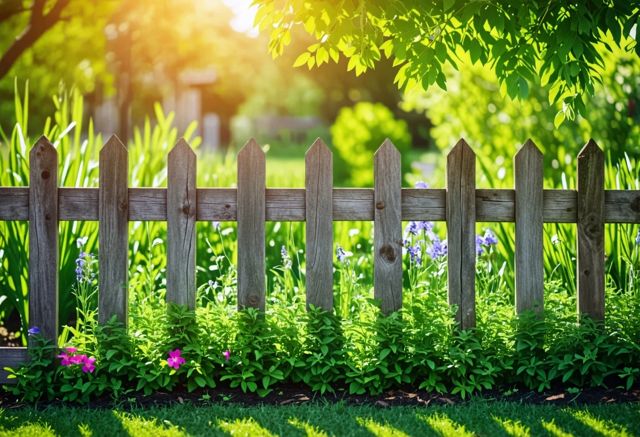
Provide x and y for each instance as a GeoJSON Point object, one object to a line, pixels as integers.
{"type": "Point", "coordinates": [319, 204]}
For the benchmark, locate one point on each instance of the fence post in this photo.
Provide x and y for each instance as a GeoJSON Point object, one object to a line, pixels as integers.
{"type": "Point", "coordinates": [113, 216]}
{"type": "Point", "coordinates": [591, 231]}
{"type": "Point", "coordinates": [461, 221]}
{"type": "Point", "coordinates": [251, 231]}
{"type": "Point", "coordinates": [43, 239]}
{"type": "Point", "coordinates": [388, 228]}
{"type": "Point", "coordinates": [529, 229]}
{"type": "Point", "coordinates": [181, 225]}
{"type": "Point", "coordinates": [319, 229]}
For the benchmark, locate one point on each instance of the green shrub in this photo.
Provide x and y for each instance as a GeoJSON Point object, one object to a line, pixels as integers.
{"type": "Point", "coordinates": [358, 132]}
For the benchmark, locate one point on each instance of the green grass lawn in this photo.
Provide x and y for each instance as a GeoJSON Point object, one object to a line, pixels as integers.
{"type": "Point", "coordinates": [475, 418]}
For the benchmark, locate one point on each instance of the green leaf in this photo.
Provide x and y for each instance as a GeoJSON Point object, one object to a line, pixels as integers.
{"type": "Point", "coordinates": [302, 59]}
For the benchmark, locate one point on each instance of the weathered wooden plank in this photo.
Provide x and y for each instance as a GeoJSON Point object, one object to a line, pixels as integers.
{"type": "Point", "coordinates": [418, 203]}
{"type": "Point", "coordinates": [43, 239]}
{"type": "Point", "coordinates": [319, 228]}
{"type": "Point", "coordinates": [251, 229]}
{"type": "Point", "coordinates": [349, 204]}
{"type": "Point", "coordinates": [461, 220]}
{"type": "Point", "coordinates": [11, 357]}
{"type": "Point", "coordinates": [14, 203]}
{"type": "Point", "coordinates": [113, 213]}
{"type": "Point", "coordinates": [591, 231]}
{"type": "Point", "coordinates": [528, 165]}
{"type": "Point", "coordinates": [387, 226]}
{"type": "Point", "coordinates": [219, 204]}
{"type": "Point", "coordinates": [181, 225]}
{"type": "Point", "coordinates": [147, 204]}
{"type": "Point", "coordinates": [621, 206]}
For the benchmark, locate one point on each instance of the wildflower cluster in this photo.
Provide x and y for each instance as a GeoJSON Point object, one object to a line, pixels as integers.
{"type": "Point", "coordinates": [84, 270]}
{"type": "Point", "coordinates": [286, 259]}
{"type": "Point", "coordinates": [485, 241]}
{"type": "Point", "coordinates": [70, 358]}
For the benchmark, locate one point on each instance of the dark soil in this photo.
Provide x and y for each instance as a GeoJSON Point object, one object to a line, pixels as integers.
{"type": "Point", "coordinates": [291, 394]}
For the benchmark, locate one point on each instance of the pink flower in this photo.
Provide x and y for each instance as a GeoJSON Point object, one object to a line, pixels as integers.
{"type": "Point", "coordinates": [77, 359]}
{"type": "Point", "coordinates": [64, 359]}
{"type": "Point", "coordinates": [71, 350]}
{"type": "Point", "coordinates": [175, 360]}
{"type": "Point", "coordinates": [88, 365]}
{"type": "Point", "coordinates": [226, 354]}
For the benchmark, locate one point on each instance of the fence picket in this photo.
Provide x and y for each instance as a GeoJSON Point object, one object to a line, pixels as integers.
{"type": "Point", "coordinates": [387, 280]}
{"type": "Point", "coordinates": [251, 222]}
{"type": "Point", "coordinates": [529, 229]}
{"type": "Point", "coordinates": [461, 221]}
{"type": "Point", "coordinates": [43, 239]}
{"type": "Point", "coordinates": [113, 215]}
{"type": "Point", "coordinates": [319, 229]}
{"type": "Point", "coordinates": [181, 225]}
{"type": "Point", "coordinates": [591, 231]}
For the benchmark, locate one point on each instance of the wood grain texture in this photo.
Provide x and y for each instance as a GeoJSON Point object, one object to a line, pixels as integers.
{"type": "Point", "coordinates": [319, 228]}
{"type": "Point", "coordinates": [11, 357]}
{"type": "Point", "coordinates": [181, 225]}
{"type": "Point", "coordinates": [43, 239]}
{"type": "Point", "coordinates": [349, 204]}
{"type": "Point", "coordinates": [113, 228]}
{"type": "Point", "coordinates": [591, 231]}
{"type": "Point", "coordinates": [387, 260]}
{"type": "Point", "coordinates": [251, 226]}
{"type": "Point", "coordinates": [528, 165]}
{"type": "Point", "coordinates": [461, 221]}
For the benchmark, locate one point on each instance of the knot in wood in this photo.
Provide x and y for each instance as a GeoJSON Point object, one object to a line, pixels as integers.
{"type": "Point", "coordinates": [380, 205]}
{"type": "Point", "coordinates": [635, 204]}
{"type": "Point", "coordinates": [45, 174]}
{"type": "Point", "coordinates": [387, 253]}
{"type": "Point", "coordinates": [592, 226]}
{"type": "Point", "coordinates": [253, 300]}
{"type": "Point", "coordinates": [587, 272]}
{"type": "Point", "coordinates": [122, 206]}
{"type": "Point", "coordinates": [186, 209]}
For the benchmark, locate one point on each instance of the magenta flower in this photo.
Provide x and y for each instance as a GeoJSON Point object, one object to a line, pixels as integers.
{"type": "Point", "coordinates": [88, 364]}
{"type": "Point", "coordinates": [64, 359]}
{"type": "Point", "coordinates": [77, 359]}
{"type": "Point", "coordinates": [71, 350]}
{"type": "Point", "coordinates": [226, 354]}
{"type": "Point", "coordinates": [175, 360]}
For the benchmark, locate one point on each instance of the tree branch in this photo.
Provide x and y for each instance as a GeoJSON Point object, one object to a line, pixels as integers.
{"type": "Point", "coordinates": [39, 24]}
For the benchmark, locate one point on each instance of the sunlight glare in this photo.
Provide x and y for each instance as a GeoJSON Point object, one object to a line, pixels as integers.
{"type": "Point", "coordinates": [244, 15]}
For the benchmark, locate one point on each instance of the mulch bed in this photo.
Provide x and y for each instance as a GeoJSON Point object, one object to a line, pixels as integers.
{"type": "Point", "coordinates": [291, 394]}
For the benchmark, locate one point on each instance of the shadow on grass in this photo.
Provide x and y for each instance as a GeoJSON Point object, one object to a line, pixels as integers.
{"type": "Point", "coordinates": [474, 418]}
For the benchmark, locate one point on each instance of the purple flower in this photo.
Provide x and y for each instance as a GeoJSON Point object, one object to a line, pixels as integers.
{"type": "Point", "coordinates": [638, 238]}
{"type": "Point", "coordinates": [414, 254]}
{"type": "Point", "coordinates": [342, 255]}
{"type": "Point", "coordinates": [490, 238]}
{"type": "Point", "coordinates": [421, 184]}
{"type": "Point", "coordinates": [175, 360]}
{"type": "Point", "coordinates": [226, 354]}
{"type": "Point", "coordinates": [216, 225]}
{"type": "Point", "coordinates": [412, 228]}
{"type": "Point", "coordinates": [64, 359]}
{"type": "Point", "coordinates": [34, 330]}
{"type": "Point", "coordinates": [88, 365]}
{"type": "Point", "coordinates": [479, 243]}
{"type": "Point", "coordinates": [286, 259]}
{"type": "Point", "coordinates": [438, 248]}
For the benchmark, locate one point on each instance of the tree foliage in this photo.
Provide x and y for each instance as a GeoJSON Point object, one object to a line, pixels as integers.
{"type": "Point", "coordinates": [559, 42]}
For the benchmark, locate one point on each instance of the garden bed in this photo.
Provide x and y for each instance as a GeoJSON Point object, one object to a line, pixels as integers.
{"type": "Point", "coordinates": [297, 394]}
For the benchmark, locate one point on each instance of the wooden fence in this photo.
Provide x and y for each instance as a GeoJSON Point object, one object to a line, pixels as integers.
{"type": "Point", "coordinates": [181, 204]}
